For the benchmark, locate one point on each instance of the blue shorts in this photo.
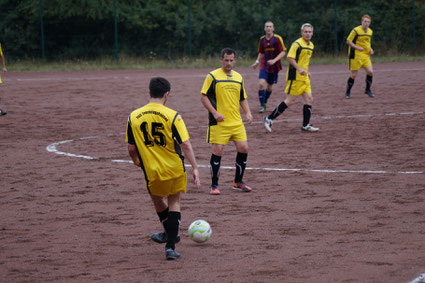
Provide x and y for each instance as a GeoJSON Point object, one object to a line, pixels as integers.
{"type": "Point", "coordinates": [271, 78]}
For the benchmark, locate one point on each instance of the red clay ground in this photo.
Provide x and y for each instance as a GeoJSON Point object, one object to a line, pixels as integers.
{"type": "Point", "coordinates": [358, 218]}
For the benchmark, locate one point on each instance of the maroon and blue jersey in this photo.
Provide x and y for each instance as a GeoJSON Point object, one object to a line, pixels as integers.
{"type": "Point", "coordinates": [271, 48]}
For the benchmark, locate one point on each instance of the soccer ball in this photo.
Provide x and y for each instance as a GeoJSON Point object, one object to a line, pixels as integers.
{"type": "Point", "coordinates": [199, 231]}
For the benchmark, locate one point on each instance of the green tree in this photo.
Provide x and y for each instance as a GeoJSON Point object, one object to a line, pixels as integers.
{"type": "Point", "coordinates": [159, 28]}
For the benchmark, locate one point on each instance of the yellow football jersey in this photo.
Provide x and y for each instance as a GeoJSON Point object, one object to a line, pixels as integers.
{"type": "Point", "coordinates": [157, 131]}
{"type": "Point", "coordinates": [301, 52]}
{"type": "Point", "coordinates": [225, 92]}
{"type": "Point", "coordinates": [360, 38]}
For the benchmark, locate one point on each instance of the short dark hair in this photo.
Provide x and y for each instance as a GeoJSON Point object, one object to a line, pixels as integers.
{"type": "Point", "coordinates": [228, 51]}
{"type": "Point", "coordinates": [158, 87]}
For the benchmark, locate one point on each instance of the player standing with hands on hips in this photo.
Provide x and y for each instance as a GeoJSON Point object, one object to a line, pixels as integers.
{"type": "Point", "coordinates": [359, 52]}
{"type": "Point", "coordinates": [297, 80]}
{"type": "Point", "coordinates": [3, 64]}
{"type": "Point", "coordinates": [222, 94]}
{"type": "Point", "coordinates": [156, 135]}
{"type": "Point", "coordinates": [270, 50]}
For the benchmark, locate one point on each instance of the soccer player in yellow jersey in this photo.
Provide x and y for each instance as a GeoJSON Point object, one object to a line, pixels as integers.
{"type": "Point", "coordinates": [359, 52]}
{"type": "Point", "coordinates": [3, 64]}
{"type": "Point", "coordinates": [297, 80]}
{"type": "Point", "coordinates": [222, 94]}
{"type": "Point", "coordinates": [156, 135]}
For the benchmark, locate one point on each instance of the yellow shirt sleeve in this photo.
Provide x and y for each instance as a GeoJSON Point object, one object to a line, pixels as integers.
{"type": "Point", "coordinates": [293, 51]}
{"type": "Point", "coordinates": [351, 35]}
{"type": "Point", "coordinates": [182, 133]}
{"type": "Point", "coordinates": [207, 84]}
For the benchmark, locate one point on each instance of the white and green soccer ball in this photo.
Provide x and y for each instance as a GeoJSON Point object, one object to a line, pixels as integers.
{"type": "Point", "coordinates": [199, 231]}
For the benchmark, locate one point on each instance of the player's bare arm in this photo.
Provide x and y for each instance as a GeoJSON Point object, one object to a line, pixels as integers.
{"type": "Point", "coordinates": [259, 58]}
{"type": "Point", "coordinates": [207, 104]}
{"type": "Point", "coordinates": [278, 57]}
{"type": "Point", "coordinates": [133, 154]}
{"type": "Point", "coordinates": [190, 155]}
{"type": "Point", "coordinates": [354, 46]}
{"type": "Point", "coordinates": [245, 108]}
{"type": "Point", "coordinates": [296, 66]}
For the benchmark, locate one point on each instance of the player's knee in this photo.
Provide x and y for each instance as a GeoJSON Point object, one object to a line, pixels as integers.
{"type": "Point", "coordinates": [310, 101]}
{"type": "Point", "coordinates": [217, 149]}
{"type": "Point", "coordinates": [242, 148]}
{"type": "Point", "coordinates": [217, 152]}
{"type": "Point", "coordinates": [289, 100]}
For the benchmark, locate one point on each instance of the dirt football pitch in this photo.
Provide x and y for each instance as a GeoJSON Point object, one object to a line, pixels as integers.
{"type": "Point", "coordinates": [345, 204]}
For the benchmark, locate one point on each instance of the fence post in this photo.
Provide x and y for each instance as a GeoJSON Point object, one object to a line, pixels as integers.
{"type": "Point", "coordinates": [336, 28]}
{"type": "Point", "coordinates": [413, 26]}
{"type": "Point", "coordinates": [43, 54]}
{"type": "Point", "coordinates": [189, 29]}
{"type": "Point", "coordinates": [262, 15]}
{"type": "Point", "coordinates": [116, 30]}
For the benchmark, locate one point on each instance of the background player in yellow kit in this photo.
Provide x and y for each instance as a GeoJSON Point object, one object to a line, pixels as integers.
{"type": "Point", "coordinates": [359, 51]}
{"type": "Point", "coordinates": [3, 64]}
{"type": "Point", "coordinates": [222, 94]}
{"type": "Point", "coordinates": [297, 80]}
{"type": "Point", "coordinates": [156, 135]}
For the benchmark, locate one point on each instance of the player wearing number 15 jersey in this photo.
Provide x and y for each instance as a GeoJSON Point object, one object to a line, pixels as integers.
{"type": "Point", "coordinates": [157, 131]}
{"type": "Point", "coordinates": [156, 136]}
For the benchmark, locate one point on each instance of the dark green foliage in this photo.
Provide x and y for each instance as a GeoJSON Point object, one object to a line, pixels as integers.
{"type": "Point", "coordinates": [159, 28]}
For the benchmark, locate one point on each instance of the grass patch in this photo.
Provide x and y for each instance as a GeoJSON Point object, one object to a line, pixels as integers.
{"type": "Point", "coordinates": [138, 63]}
{"type": "Point", "coordinates": [326, 60]}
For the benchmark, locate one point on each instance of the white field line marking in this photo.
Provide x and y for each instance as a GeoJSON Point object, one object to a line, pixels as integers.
{"type": "Point", "coordinates": [53, 148]}
{"type": "Point", "coordinates": [136, 76]}
{"type": "Point", "coordinates": [98, 78]}
{"type": "Point", "coordinates": [300, 169]}
{"type": "Point", "coordinates": [330, 117]}
{"type": "Point", "coordinates": [419, 279]}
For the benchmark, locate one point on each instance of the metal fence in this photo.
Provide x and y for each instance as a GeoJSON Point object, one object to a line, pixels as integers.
{"type": "Point", "coordinates": [186, 28]}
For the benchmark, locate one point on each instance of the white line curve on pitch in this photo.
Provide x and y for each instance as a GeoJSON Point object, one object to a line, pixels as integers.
{"type": "Point", "coordinates": [53, 149]}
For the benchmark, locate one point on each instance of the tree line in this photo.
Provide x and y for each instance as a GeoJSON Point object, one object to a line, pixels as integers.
{"type": "Point", "coordinates": [180, 28]}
